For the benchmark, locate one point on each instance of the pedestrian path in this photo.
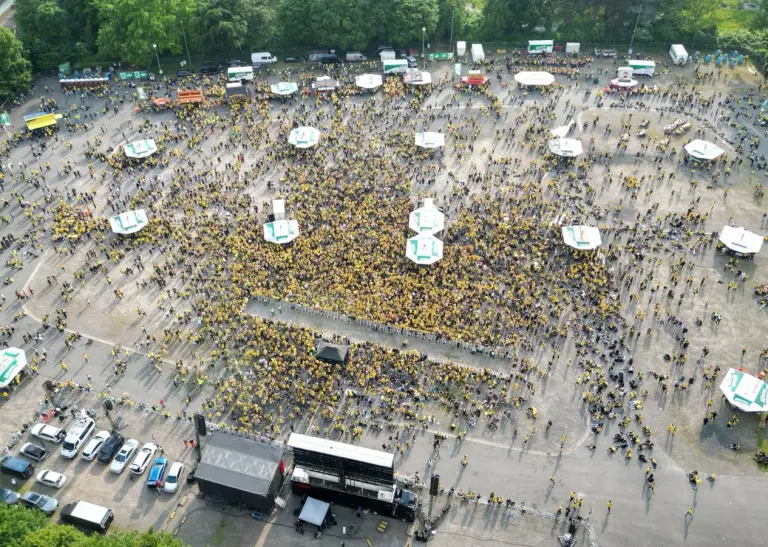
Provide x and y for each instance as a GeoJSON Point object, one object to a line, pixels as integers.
{"type": "Point", "coordinates": [327, 323]}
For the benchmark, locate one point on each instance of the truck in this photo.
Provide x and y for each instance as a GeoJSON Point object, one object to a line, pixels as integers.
{"type": "Point", "coordinates": [387, 55]}
{"type": "Point", "coordinates": [678, 54]}
{"type": "Point", "coordinates": [240, 73]}
{"type": "Point", "coordinates": [478, 55]}
{"type": "Point", "coordinates": [395, 66]}
{"type": "Point", "coordinates": [642, 68]}
{"type": "Point", "coordinates": [536, 47]}
{"type": "Point", "coordinates": [572, 48]}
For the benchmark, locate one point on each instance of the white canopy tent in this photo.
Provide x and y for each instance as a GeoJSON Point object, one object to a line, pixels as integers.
{"type": "Point", "coordinates": [703, 150]}
{"type": "Point", "coordinates": [741, 240]}
{"type": "Point", "coordinates": [567, 148]}
{"type": "Point", "coordinates": [534, 78]}
{"type": "Point", "coordinates": [304, 137]}
{"type": "Point", "coordinates": [583, 238]}
{"type": "Point", "coordinates": [427, 219]}
{"type": "Point", "coordinates": [424, 249]}
{"type": "Point", "coordinates": [278, 209]}
{"type": "Point", "coordinates": [12, 362]}
{"type": "Point", "coordinates": [325, 83]}
{"type": "Point", "coordinates": [430, 140]}
{"type": "Point", "coordinates": [140, 149]}
{"type": "Point", "coordinates": [414, 76]}
{"type": "Point", "coordinates": [281, 231]}
{"type": "Point", "coordinates": [563, 130]}
{"type": "Point", "coordinates": [744, 391]}
{"type": "Point", "coordinates": [129, 222]}
{"type": "Point", "coordinates": [368, 81]}
{"type": "Point", "coordinates": [284, 88]}
{"type": "Point", "coordinates": [314, 511]}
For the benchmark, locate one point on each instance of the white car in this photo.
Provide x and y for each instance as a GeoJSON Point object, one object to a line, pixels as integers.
{"type": "Point", "coordinates": [51, 478]}
{"type": "Point", "coordinates": [172, 479]}
{"type": "Point", "coordinates": [48, 433]}
{"type": "Point", "coordinates": [91, 450]}
{"type": "Point", "coordinates": [143, 458]}
{"type": "Point", "coordinates": [125, 454]}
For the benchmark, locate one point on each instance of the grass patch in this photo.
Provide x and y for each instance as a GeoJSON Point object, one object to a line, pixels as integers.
{"type": "Point", "coordinates": [732, 18]}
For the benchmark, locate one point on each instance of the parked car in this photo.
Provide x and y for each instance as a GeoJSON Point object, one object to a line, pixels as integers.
{"type": "Point", "coordinates": [77, 436]}
{"type": "Point", "coordinates": [235, 63]}
{"type": "Point", "coordinates": [110, 447]}
{"type": "Point", "coordinates": [174, 476]}
{"type": "Point", "coordinates": [48, 433]}
{"type": "Point", "coordinates": [157, 472]}
{"type": "Point", "coordinates": [35, 500]}
{"type": "Point", "coordinates": [210, 67]}
{"type": "Point", "coordinates": [93, 447]}
{"type": "Point", "coordinates": [34, 452]}
{"type": "Point", "coordinates": [8, 496]}
{"type": "Point", "coordinates": [19, 467]}
{"type": "Point", "coordinates": [126, 453]}
{"type": "Point", "coordinates": [382, 48]}
{"type": "Point", "coordinates": [51, 478]}
{"type": "Point", "coordinates": [183, 73]}
{"type": "Point", "coordinates": [141, 462]}
{"type": "Point", "coordinates": [412, 61]}
{"type": "Point", "coordinates": [355, 57]}
{"type": "Point", "coordinates": [292, 59]}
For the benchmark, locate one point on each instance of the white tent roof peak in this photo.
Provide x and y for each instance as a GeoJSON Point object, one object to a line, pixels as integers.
{"type": "Point", "coordinates": [281, 231]}
{"type": "Point", "coordinates": [427, 219]}
{"type": "Point", "coordinates": [741, 240]}
{"type": "Point", "coordinates": [140, 149]}
{"type": "Point", "coordinates": [430, 139]}
{"type": "Point", "coordinates": [369, 81]}
{"type": "Point", "coordinates": [129, 222]}
{"type": "Point", "coordinates": [584, 238]}
{"type": "Point", "coordinates": [304, 137]}
{"type": "Point", "coordinates": [744, 391]}
{"type": "Point", "coordinates": [534, 78]}
{"type": "Point", "coordinates": [424, 249]}
{"type": "Point", "coordinates": [703, 150]}
{"type": "Point", "coordinates": [284, 88]}
{"type": "Point", "coordinates": [12, 362]}
{"type": "Point", "coordinates": [414, 76]}
{"type": "Point", "coordinates": [567, 148]}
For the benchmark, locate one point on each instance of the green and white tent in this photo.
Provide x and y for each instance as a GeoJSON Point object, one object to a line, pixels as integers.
{"type": "Point", "coordinates": [284, 88]}
{"type": "Point", "coordinates": [140, 149]}
{"type": "Point", "coordinates": [744, 391]}
{"type": "Point", "coordinates": [424, 249]}
{"type": "Point", "coordinates": [430, 140]}
{"type": "Point", "coordinates": [129, 222]}
{"type": "Point", "coordinates": [12, 362]}
{"type": "Point", "coordinates": [304, 137]}
{"type": "Point", "coordinates": [583, 238]}
{"type": "Point", "coordinates": [427, 219]}
{"type": "Point", "coordinates": [281, 231]}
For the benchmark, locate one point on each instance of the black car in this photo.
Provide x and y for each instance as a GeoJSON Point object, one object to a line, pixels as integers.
{"type": "Point", "coordinates": [292, 59]}
{"type": "Point", "coordinates": [34, 452]}
{"type": "Point", "coordinates": [111, 447]}
{"type": "Point", "coordinates": [210, 67]}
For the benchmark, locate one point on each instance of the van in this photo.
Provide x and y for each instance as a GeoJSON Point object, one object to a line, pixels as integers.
{"type": "Point", "coordinates": [324, 58]}
{"type": "Point", "coordinates": [78, 434]}
{"type": "Point", "coordinates": [355, 57]}
{"type": "Point", "coordinates": [210, 67]}
{"type": "Point", "coordinates": [88, 515]}
{"type": "Point", "coordinates": [262, 58]}
{"type": "Point", "coordinates": [17, 467]}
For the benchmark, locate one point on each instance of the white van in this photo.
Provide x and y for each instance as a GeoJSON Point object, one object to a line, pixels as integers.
{"type": "Point", "coordinates": [263, 58]}
{"type": "Point", "coordinates": [239, 73]}
{"type": "Point", "coordinates": [80, 432]}
{"type": "Point", "coordinates": [89, 515]}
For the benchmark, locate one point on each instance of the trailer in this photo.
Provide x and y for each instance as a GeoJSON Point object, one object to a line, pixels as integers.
{"type": "Point", "coordinates": [239, 73]}
{"type": "Point", "coordinates": [461, 48]}
{"type": "Point", "coordinates": [605, 52]}
{"type": "Point", "coordinates": [642, 68]}
{"type": "Point", "coordinates": [678, 54]}
{"type": "Point", "coordinates": [572, 48]}
{"type": "Point", "coordinates": [395, 66]}
{"type": "Point", "coordinates": [540, 46]}
{"type": "Point", "coordinates": [478, 55]}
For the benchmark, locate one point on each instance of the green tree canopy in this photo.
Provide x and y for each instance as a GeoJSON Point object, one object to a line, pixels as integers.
{"type": "Point", "coordinates": [345, 24]}
{"type": "Point", "coordinates": [15, 77]}
{"type": "Point", "coordinates": [225, 26]}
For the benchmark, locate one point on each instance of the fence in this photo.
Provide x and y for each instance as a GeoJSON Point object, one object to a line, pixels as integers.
{"type": "Point", "coordinates": [488, 351]}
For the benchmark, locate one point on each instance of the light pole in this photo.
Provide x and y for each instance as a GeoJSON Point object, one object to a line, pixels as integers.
{"type": "Point", "coordinates": [639, 13]}
{"type": "Point", "coordinates": [183, 33]}
{"type": "Point", "coordinates": [423, 57]}
{"type": "Point", "coordinates": [159, 68]}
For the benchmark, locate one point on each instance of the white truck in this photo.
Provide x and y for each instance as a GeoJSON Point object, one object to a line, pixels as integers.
{"type": "Point", "coordinates": [678, 54]}
{"type": "Point", "coordinates": [478, 55]}
{"type": "Point", "coordinates": [461, 48]}
{"type": "Point", "coordinates": [540, 46]}
{"type": "Point", "coordinates": [395, 66]}
{"type": "Point", "coordinates": [572, 48]}
{"type": "Point", "coordinates": [239, 73]}
{"type": "Point", "coordinates": [642, 68]}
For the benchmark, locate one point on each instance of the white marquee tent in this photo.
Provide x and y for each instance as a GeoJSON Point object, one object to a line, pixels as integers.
{"type": "Point", "coordinates": [140, 149]}
{"type": "Point", "coordinates": [284, 88]}
{"type": "Point", "coordinates": [368, 81]}
{"type": "Point", "coordinates": [741, 240]}
{"type": "Point", "coordinates": [414, 76]}
{"type": "Point", "coordinates": [281, 231]}
{"type": "Point", "coordinates": [325, 83]}
{"type": "Point", "coordinates": [584, 238]}
{"type": "Point", "coordinates": [129, 222]}
{"type": "Point", "coordinates": [430, 140]}
{"type": "Point", "coordinates": [424, 249]}
{"type": "Point", "coordinates": [567, 148]}
{"type": "Point", "coordinates": [703, 150]}
{"type": "Point", "coordinates": [12, 362]}
{"type": "Point", "coordinates": [304, 137]}
{"type": "Point", "coordinates": [534, 78]}
{"type": "Point", "coordinates": [744, 391]}
{"type": "Point", "coordinates": [427, 219]}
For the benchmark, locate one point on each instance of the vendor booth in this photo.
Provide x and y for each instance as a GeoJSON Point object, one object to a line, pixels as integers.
{"type": "Point", "coordinates": [284, 89]}
{"type": "Point", "coordinates": [39, 120]}
{"type": "Point", "coordinates": [281, 231]}
{"type": "Point", "coordinates": [13, 361]}
{"type": "Point", "coordinates": [190, 96]}
{"type": "Point", "coordinates": [368, 81]}
{"type": "Point", "coordinates": [430, 140]}
{"type": "Point", "coordinates": [128, 222]}
{"type": "Point", "coordinates": [325, 83]}
{"type": "Point", "coordinates": [583, 238]}
{"type": "Point", "coordinates": [527, 78]}
{"type": "Point", "coordinates": [741, 241]}
{"type": "Point", "coordinates": [566, 148]}
{"type": "Point", "coordinates": [744, 391]}
{"type": "Point", "coordinates": [700, 150]}
{"type": "Point", "coordinates": [304, 137]}
{"type": "Point", "coordinates": [475, 77]}
{"type": "Point", "coordinates": [236, 91]}
{"type": "Point", "coordinates": [424, 249]}
{"type": "Point", "coordinates": [315, 512]}
{"type": "Point", "coordinates": [140, 149]}
{"type": "Point", "coordinates": [414, 76]}
{"type": "Point", "coordinates": [427, 219]}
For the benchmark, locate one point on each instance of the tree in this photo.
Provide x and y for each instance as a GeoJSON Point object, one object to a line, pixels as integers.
{"type": "Point", "coordinates": [345, 24]}
{"type": "Point", "coordinates": [451, 12]}
{"type": "Point", "coordinates": [130, 27]}
{"type": "Point", "coordinates": [15, 77]}
{"type": "Point", "coordinates": [406, 19]}
{"type": "Point", "coordinates": [16, 521]}
{"type": "Point", "coordinates": [44, 30]}
{"type": "Point", "coordinates": [690, 19]}
{"type": "Point", "coordinates": [55, 536]}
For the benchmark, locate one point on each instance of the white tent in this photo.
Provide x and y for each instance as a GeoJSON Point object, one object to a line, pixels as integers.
{"type": "Point", "coordinates": [534, 78]}
{"type": "Point", "coordinates": [304, 137]}
{"type": "Point", "coordinates": [563, 130]}
{"type": "Point", "coordinates": [424, 249]}
{"type": "Point", "coordinates": [278, 209]}
{"type": "Point", "coordinates": [414, 76]}
{"type": "Point", "coordinates": [325, 83]}
{"type": "Point", "coordinates": [12, 362]}
{"type": "Point", "coordinates": [744, 391]}
{"type": "Point", "coordinates": [703, 150]}
{"type": "Point", "coordinates": [314, 511]}
{"type": "Point", "coordinates": [281, 231]}
{"type": "Point", "coordinates": [140, 149]}
{"type": "Point", "coordinates": [741, 240]}
{"type": "Point", "coordinates": [368, 81]}
{"type": "Point", "coordinates": [584, 238]}
{"type": "Point", "coordinates": [567, 148]}
{"type": "Point", "coordinates": [430, 140]}
{"type": "Point", "coordinates": [427, 219]}
{"type": "Point", "coordinates": [284, 88]}
{"type": "Point", "coordinates": [129, 222]}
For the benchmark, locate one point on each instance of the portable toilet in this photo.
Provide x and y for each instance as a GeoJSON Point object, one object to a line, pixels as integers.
{"type": "Point", "coordinates": [461, 48]}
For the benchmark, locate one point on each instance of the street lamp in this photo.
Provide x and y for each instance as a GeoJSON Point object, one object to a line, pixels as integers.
{"type": "Point", "coordinates": [159, 68]}
{"type": "Point", "coordinates": [423, 57]}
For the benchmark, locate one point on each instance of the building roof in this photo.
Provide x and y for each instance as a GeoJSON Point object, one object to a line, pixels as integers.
{"type": "Point", "coordinates": [332, 353]}
{"type": "Point", "coordinates": [341, 450]}
{"type": "Point", "coordinates": [239, 463]}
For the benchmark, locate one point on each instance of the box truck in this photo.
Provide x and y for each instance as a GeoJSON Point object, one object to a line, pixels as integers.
{"type": "Point", "coordinates": [395, 66]}
{"type": "Point", "coordinates": [642, 68]}
{"type": "Point", "coordinates": [478, 55]}
{"type": "Point", "coordinates": [540, 46]}
{"type": "Point", "coordinates": [461, 48]}
{"type": "Point", "coordinates": [238, 73]}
